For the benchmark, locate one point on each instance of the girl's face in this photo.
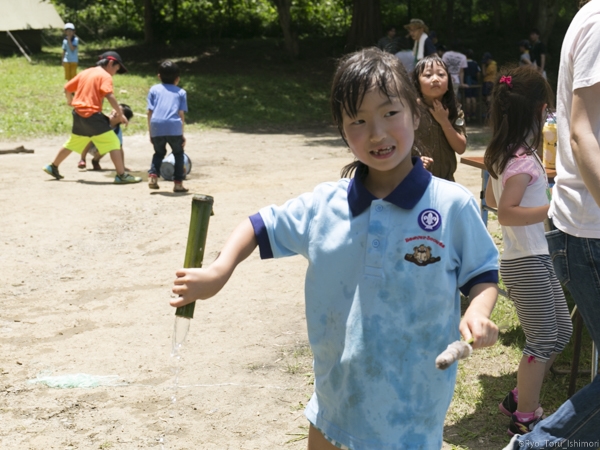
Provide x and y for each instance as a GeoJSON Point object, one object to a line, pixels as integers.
{"type": "Point", "coordinates": [382, 133]}
{"type": "Point", "coordinates": [434, 82]}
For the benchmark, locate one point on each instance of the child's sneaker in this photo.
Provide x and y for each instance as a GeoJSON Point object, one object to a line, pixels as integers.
{"type": "Point", "coordinates": [508, 406]}
{"type": "Point", "coordinates": [521, 427]}
{"type": "Point", "coordinates": [81, 165]}
{"type": "Point", "coordinates": [153, 182]}
{"type": "Point", "coordinates": [178, 187]}
{"type": "Point", "coordinates": [126, 178]}
{"type": "Point", "coordinates": [96, 165]}
{"type": "Point", "coordinates": [52, 170]}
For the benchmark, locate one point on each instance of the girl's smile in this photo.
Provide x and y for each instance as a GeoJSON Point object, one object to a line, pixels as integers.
{"type": "Point", "coordinates": [381, 136]}
{"type": "Point", "coordinates": [383, 152]}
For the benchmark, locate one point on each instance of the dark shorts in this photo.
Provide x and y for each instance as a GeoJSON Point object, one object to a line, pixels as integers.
{"type": "Point", "coordinates": [487, 88]}
{"type": "Point", "coordinates": [95, 125]}
{"type": "Point", "coordinates": [471, 92]}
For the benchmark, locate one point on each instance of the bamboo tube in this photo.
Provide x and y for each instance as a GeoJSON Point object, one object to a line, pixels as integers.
{"type": "Point", "coordinates": [194, 252]}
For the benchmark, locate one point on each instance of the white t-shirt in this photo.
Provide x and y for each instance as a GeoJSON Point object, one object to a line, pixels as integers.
{"type": "Point", "coordinates": [455, 61]}
{"type": "Point", "coordinates": [528, 240]}
{"type": "Point", "coordinates": [407, 58]}
{"type": "Point", "coordinates": [573, 209]}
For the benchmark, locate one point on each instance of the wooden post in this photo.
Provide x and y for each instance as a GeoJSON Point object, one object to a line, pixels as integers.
{"type": "Point", "coordinates": [19, 45]}
{"type": "Point", "coordinates": [194, 252]}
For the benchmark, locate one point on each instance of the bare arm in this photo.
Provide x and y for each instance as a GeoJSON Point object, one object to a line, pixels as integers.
{"type": "Point", "coordinates": [510, 213]}
{"type": "Point", "coordinates": [114, 119]}
{"type": "Point", "coordinates": [586, 149]}
{"type": "Point", "coordinates": [113, 102]}
{"type": "Point", "coordinates": [476, 323]}
{"type": "Point", "coordinates": [70, 43]}
{"type": "Point", "coordinates": [149, 120]}
{"type": "Point", "coordinates": [200, 284]}
{"type": "Point", "coordinates": [69, 97]}
{"type": "Point", "coordinates": [182, 117]}
{"type": "Point", "coordinates": [457, 140]}
{"type": "Point", "coordinates": [490, 200]}
{"type": "Point", "coordinates": [542, 62]}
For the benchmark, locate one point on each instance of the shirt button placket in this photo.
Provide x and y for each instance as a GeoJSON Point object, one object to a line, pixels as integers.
{"type": "Point", "coordinates": [376, 239]}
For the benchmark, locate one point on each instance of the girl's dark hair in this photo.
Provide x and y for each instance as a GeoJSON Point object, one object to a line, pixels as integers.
{"type": "Point", "coordinates": [449, 99]}
{"type": "Point", "coordinates": [168, 71]}
{"type": "Point", "coordinates": [356, 74]}
{"type": "Point", "coordinates": [516, 115]}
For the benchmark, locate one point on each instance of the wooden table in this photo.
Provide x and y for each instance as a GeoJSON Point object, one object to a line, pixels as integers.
{"type": "Point", "coordinates": [477, 162]}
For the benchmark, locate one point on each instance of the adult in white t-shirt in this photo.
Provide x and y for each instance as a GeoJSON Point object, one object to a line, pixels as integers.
{"type": "Point", "coordinates": [574, 243]}
{"type": "Point", "coordinates": [456, 63]}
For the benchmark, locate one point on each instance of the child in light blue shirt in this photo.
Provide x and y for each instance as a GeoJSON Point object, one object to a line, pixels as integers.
{"type": "Point", "coordinates": [70, 54]}
{"type": "Point", "coordinates": [388, 249]}
{"type": "Point", "coordinates": [167, 105]}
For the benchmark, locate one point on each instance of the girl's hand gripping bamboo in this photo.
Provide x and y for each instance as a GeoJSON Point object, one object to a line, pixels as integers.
{"type": "Point", "coordinates": [194, 253]}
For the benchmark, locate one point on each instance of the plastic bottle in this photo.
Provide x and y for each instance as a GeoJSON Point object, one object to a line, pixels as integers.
{"type": "Point", "coordinates": [549, 147]}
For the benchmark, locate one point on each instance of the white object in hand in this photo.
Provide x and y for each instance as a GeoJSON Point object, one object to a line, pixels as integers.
{"type": "Point", "coordinates": [455, 351]}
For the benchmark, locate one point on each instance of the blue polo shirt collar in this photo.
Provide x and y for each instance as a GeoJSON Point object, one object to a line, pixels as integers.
{"type": "Point", "coordinates": [406, 195]}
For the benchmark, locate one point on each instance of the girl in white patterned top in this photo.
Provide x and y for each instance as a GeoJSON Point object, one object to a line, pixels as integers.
{"type": "Point", "coordinates": [518, 187]}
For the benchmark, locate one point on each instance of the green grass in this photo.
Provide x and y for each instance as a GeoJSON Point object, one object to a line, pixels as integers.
{"type": "Point", "coordinates": [473, 420]}
{"type": "Point", "coordinates": [246, 86]}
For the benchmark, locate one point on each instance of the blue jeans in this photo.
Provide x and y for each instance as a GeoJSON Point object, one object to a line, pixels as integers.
{"type": "Point", "coordinates": [160, 151]}
{"type": "Point", "coordinates": [576, 424]}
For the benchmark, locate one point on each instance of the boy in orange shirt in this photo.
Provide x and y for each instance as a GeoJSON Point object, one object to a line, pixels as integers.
{"type": "Point", "coordinates": [85, 93]}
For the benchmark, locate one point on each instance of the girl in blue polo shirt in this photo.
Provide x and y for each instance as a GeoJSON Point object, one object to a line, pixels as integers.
{"type": "Point", "coordinates": [388, 246]}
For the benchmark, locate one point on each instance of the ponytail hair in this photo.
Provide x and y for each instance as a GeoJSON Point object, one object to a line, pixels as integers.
{"type": "Point", "coordinates": [516, 115]}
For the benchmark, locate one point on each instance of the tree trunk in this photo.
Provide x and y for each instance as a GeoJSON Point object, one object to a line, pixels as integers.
{"type": "Point", "coordinates": [365, 30]}
{"type": "Point", "coordinates": [450, 20]}
{"type": "Point", "coordinates": [497, 11]}
{"type": "Point", "coordinates": [523, 13]}
{"type": "Point", "coordinates": [175, 21]}
{"type": "Point", "coordinates": [285, 20]}
{"type": "Point", "coordinates": [148, 22]}
{"type": "Point", "coordinates": [546, 16]}
{"type": "Point", "coordinates": [435, 15]}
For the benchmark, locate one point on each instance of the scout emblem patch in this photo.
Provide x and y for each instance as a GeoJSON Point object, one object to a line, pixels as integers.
{"type": "Point", "coordinates": [430, 220]}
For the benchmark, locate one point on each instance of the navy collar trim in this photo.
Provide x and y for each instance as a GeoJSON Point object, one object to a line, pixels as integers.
{"type": "Point", "coordinates": [406, 195]}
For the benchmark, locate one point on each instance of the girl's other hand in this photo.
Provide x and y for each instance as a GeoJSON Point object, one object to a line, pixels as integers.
{"type": "Point", "coordinates": [427, 161]}
{"type": "Point", "coordinates": [481, 329]}
{"type": "Point", "coordinates": [439, 113]}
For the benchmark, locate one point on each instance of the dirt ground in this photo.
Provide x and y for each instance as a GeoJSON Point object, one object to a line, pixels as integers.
{"type": "Point", "coordinates": [85, 274]}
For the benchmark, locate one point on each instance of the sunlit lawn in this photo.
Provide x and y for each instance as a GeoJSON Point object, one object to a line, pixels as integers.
{"type": "Point", "coordinates": [240, 95]}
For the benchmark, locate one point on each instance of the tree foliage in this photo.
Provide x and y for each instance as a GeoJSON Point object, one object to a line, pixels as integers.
{"type": "Point", "coordinates": [476, 23]}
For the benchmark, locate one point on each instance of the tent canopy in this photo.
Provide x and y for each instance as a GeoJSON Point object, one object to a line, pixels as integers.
{"type": "Point", "coordinates": [28, 15]}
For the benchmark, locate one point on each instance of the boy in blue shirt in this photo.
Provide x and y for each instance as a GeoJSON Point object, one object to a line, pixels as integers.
{"type": "Point", "coordinates": [70, 55]}
{"type": "Point", "coordinates": [167, 105]}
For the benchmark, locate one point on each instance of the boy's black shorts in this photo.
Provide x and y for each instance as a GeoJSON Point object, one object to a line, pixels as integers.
{"type": "Point", "coordinates": [94, 125]}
